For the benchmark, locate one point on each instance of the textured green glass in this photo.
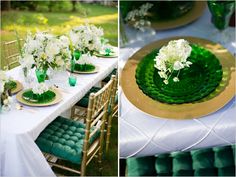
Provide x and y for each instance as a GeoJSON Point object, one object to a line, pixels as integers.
{"type": "Point", "coordinates": [35, 98]}
{"type": "Point", "coordinates": [41, 75]}
{"type": "Point", "coordinates": [196, 82]}
{"type": "Point", "coordinates": [221, 12]}
{"type": "Point", "coordinates": [84, 67]}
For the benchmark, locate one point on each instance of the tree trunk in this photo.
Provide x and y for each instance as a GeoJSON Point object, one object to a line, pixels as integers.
{"type": "Point", "coordinates": [73, 5]}
{"type": "Point", "coordinates": [6, 5]}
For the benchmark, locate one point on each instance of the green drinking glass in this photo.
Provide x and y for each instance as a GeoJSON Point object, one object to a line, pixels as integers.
{"type": "Point", "coordinates": [77, 54]}
{"type": "Point", "coordinates": [72, 80]}
{"type": "Point", "coordinates": [221, 12]}
{"type": "Point", "coordinates": [41, 75]}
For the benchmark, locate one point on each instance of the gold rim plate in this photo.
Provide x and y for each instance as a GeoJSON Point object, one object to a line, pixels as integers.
{"type": "Point", "coordinates": [213, 102]}
{"type": "Point", "coordinates": [189, 17]}
{"type": "Point", "coordinates": [58, 98]}
{"type": "Point", "coordinates": [85, 72]}
{"type": "Point", "coordinates": [18, 88]}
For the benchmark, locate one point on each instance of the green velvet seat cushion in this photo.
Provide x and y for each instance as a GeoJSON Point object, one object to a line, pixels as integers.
{"type": "Point", "coordinates": [144, 166]}
{"type": "Point", "coordinates": [84, 101]}
{"type": "Point", "coordinates": [217, 161]}
{"type": "Point", "coordinates": [64, 138]}
{"type": "Point", "coordinates": [107, 79]}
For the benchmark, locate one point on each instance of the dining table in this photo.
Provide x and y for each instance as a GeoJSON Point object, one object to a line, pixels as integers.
{"type": "Point", "coordinates": [142, 134]}
{"type": "Point", "coordinates": [19, 128]}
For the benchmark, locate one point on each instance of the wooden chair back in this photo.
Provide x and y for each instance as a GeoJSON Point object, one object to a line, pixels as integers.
{"type": "Point", "coordinates": [12, 53]}
{"type": "Point", "coordinates": [96, 117]}
{"type": "Point", "coordinates": [113, 112]}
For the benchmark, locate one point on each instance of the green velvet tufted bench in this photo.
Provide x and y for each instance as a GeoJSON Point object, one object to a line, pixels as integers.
{"type": "Point", "coordinates": [64, 138]}
{"type": "Point", "coordinates": [217, 161]}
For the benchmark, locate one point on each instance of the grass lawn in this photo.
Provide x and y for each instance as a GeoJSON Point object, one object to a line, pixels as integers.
{"type": "Point", "coordinates": [58, 22]}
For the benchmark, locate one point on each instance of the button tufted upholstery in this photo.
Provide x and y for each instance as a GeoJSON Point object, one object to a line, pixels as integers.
{"type": "Point", "coordinates": [64, 138]}
{"type": "Point", "coordinates": [217, 161]}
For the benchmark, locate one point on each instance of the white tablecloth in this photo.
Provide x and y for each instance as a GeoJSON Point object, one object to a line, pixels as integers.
{"type": "Point", "coordinates": [144, 135]}
{"type": "Point", "coordinates": [19, 155]}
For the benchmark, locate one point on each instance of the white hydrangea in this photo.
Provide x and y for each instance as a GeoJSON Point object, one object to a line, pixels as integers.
{"type": "Point", "coordinates": [40, 88]}
{"type": "Point", "coordinates": [43, 49]}
{"type": "Point", "coordinates": [173, 57]}
{"type": "Point", "coordinates": [138, 16]}
{"type": "Point", "coordinates": [86, 38]}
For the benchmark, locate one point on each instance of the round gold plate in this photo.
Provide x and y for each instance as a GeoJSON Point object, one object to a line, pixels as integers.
{"type": "Point", "coordinates": [55, 101]}
{"type": "Point", "coordinates": [18, 88]}
{"type": "Point", "coordinates": [85, 72]}
{"type": "Point", "coordinates": [189, 17]}
{"type": "Point", "coordinates": [216, 100]}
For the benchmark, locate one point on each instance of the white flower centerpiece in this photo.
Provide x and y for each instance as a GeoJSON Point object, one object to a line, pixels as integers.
{"type": "Point", "coordinates": [5, 98]}
{"type": "Point", "coordinates": [173, 57]}
{"type": "Point", "coordinates": [138, 17]}
{"type": "Point", "coordinates": [44, 51]}
{"type": "Point", "coordinates": [85, 40]}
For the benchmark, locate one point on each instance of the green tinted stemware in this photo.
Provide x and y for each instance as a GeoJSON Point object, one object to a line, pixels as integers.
{"type": "Point", "coordinates": [221, 12]}
{"type": "Point", "coordinates": [41, 74]}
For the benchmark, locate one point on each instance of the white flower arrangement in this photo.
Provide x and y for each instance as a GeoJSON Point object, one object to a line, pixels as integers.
{"type": "Point", "coordinates": [86, 38]}
{"type": "Point", "coordinates": [40, 88]}
{"type": "Point", "coordinates": [45, 51]}
{"type": "Point", "coordinates": [5, 99]}
{"type": "Point", "coordinates": [138, 16]}
{"type": "Point", "coordinates": [173, 57]}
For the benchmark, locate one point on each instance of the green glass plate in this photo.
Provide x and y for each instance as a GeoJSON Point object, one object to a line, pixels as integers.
{"type": "Point", "coordinates": [46, 97]}
{"type": "Point", "coordinates": [196, 82]}
{"type": "Point", "coordinates": [84, 67]}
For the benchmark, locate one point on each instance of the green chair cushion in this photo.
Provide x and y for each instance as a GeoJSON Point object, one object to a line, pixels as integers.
{"type": "Point", "coordinates": [107, 79]}
{"type": "Point", "coordinates": [84, 101]}
{"type": "Point", "coordinates": [217, 161]}
{"type": "Point", "coordinates": [144, 166]}
{"type": "Point", "coordinates": [64, 138]}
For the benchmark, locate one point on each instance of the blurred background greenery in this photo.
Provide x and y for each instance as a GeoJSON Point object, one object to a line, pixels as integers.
{"type": "Point", "coordinates": [56, 17]}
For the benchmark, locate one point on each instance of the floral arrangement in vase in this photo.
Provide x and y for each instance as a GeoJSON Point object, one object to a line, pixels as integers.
{"type": "Point", "coordinates": [5, 98]}
{"type": "Point", "coordinates": [173, 57]}
{"type": "Point", "coordinates": [138, 17]}
{"type": "Point", "coordinates": [44, 51]}
{"type": "Point", "coordinates": [86, 38]}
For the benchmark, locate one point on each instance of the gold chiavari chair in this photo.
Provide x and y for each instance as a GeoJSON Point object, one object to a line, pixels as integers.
{"type": "Point", "coordinates": [12, 52]}
{"type": "Point", "coordinates": [112, 112]}
{"type": "Point", "coordinates": [78, 142]}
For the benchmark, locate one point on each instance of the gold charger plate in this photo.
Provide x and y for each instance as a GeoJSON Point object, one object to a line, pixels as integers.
{"type": "Point", "coordinates": [18, 88]}
{"type": "Point", "coordinates": [214, 101]}
{"type": "Point", "coordinates": [85, 72]}
{"type": "Point", "coordinates": [189, 17]}
{"type": "Point", "coordinates": [57, 99]}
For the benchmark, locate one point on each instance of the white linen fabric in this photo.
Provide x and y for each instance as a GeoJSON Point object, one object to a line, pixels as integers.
{"type": "Point", "coordinates": [19, 155]}
{"type": "Point", "coordinates": [144, 135]}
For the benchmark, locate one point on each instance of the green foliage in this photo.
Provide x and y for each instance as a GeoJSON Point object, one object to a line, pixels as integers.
{"type": "Point", "coordinates": [10, 85]}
